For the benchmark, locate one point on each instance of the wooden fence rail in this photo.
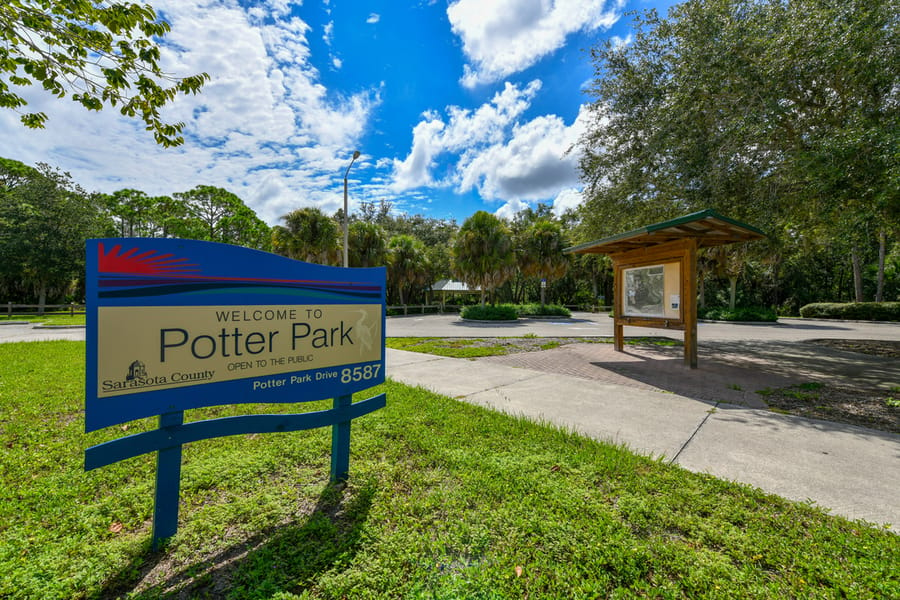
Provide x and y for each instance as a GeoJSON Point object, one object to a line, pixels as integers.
{"type": "Point", "coordinates": [22, 310]}
{"type": "Point", "coordinates": [420, 308]}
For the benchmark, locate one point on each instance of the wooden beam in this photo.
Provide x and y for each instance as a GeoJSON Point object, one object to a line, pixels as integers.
{"type": "Point", "coordinates": [618, 309]}
{"type": "Point", "coordinates": [689, 305]}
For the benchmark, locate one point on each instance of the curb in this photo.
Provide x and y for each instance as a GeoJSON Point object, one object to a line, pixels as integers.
{"type": "Point", "coordinates": [802, 320]}
{"type": "Point", "coordinates": [488, 321]}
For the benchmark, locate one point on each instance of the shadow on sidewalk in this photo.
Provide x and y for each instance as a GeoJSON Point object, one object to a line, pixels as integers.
{"type": "Point", "coordinates": [713, 380]}
{"type": "Point", "coordinates": [731, 372]}
{"type": "Point", "coordinates": [807, 361]}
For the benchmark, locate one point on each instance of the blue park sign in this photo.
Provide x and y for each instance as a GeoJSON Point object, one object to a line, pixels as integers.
{"type": "Point", "coordinates": [174, 325]}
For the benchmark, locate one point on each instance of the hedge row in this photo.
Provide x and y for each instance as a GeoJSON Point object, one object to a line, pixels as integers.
{"type": "Point", "coordinates": [746, 313]}
{"type": "Point", "coordinates": [511, 312]}
{"type": "Point", "coordinates": [547, 310]}
{"type": "Point", "coordinates": [858, 311]}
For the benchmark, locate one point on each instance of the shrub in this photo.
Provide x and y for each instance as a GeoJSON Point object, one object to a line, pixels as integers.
{"type": "Point", "coordinates": [862, 311]}
{"type": "Point", "coordinates": [743, 313]}
{"type": "Point", "coordinates": [548, 310]}
{"type": "Point", "coordinates": [499, 312]}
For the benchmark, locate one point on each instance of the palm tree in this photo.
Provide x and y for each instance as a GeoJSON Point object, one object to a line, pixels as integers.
{"type": "Point", "coordinates": [483, 254]}
{"type": "Point", "coordinates": [542, 252]}
{"type": "Point", "coordinates": [407, 263]}
{"type": "Point", "coordinates": [308, 235]}
{"type": "Point", "coordinates": [368, 245]}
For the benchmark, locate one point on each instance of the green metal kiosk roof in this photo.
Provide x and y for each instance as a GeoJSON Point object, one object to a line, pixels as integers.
{"type": "Point", "coordinates": [708, 227]}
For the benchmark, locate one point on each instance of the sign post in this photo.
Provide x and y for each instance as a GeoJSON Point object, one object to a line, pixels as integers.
{"type": "Point", "coordinates": [174, 325]}
{"type": "Point", "coordinates": [168, 483]}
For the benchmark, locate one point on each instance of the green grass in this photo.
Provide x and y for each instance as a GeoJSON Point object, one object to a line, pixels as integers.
{"type": "Point", "coordinates": [804, 391]}
{"type": "Point", "coordinates": [445, 347]}
{"type": "Point", "coordinates": [445, 500]}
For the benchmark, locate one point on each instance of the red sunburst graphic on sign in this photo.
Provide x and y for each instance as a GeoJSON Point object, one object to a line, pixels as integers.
{"type": "Point", "coordinates": [135, 262]}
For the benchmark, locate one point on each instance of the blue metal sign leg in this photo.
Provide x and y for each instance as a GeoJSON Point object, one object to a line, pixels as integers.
{"type": "Point", "coordinates": [168, 481]}
{"type": "Point", "coordinates": [340, 440]}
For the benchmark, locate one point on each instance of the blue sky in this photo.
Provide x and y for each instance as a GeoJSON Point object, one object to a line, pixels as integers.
{"type": "Point", "coordinates": [455, 106]}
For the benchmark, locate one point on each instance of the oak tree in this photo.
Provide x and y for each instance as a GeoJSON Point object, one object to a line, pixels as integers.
{"type": "Point", "coordinates": [100, 53]}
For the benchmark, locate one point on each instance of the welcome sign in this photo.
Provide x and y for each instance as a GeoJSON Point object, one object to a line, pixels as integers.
{"type": "Point", "coordinates": [166, 316]}
{"type": "Point", "coordinates": [179, 324]}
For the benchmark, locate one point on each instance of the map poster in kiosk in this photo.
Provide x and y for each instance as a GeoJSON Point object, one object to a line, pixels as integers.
{"type": "Point", "coordinates": [181, 324]}
{"type": "Point", "coordinates": [652, 291]}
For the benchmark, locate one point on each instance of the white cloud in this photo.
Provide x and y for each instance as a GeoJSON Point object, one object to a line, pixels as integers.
{"type": "Point", "coordinates": [619, 42]}
{"type": "Point", "coordinates": [415, 170]}
{"type": "Point", "coordinates": [263, 127]}
{"type": "Point", "coordinates": [532, 165]}
{"type": "Point", "coordinates": [336, 62]}
{"type": "Point", "coordinates": [465, 129]}
{"type": "Point", "coordinates": [491, 152]}
{"type": "Point", "coordinates": [509, 210]}
{"type": "Point", "coordinates": [567, 199]}
{"type": "Point", "coordinates": [373, 18]}
{"type": "Point", "coordinates": [502, 37]}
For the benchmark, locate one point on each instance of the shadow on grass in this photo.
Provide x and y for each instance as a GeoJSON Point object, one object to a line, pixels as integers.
{"type": "Point", "coordinates": [285, 557]}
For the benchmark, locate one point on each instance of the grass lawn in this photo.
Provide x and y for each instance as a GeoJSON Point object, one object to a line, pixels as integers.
{"type": "Point", "coordinates": [445, 500]}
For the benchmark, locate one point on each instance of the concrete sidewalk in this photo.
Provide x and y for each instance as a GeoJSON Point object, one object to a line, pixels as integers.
{"type": "Point", "coordinates": [852, 471]}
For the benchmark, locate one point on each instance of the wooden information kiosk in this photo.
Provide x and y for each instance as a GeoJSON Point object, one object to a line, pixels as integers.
{"type": "Point", "coordinates": [655, 270]}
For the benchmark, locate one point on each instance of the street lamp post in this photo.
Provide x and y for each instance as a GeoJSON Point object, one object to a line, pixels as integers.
{"type": "Point", "coordinates": [346, 214]}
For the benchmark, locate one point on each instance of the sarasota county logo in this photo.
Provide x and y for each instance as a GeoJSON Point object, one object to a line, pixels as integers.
{"type": "Point", "coordinates": [137, 370]}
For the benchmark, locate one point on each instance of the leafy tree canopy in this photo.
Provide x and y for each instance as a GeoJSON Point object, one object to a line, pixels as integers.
{"type": "Point", "coordinates": [217, 215]}
{"type": "Point", "coordinates": [483, 254]}
{"type": "Point", "coordinates": [767, 111]}
{"type": "Point", "coordinates": [44, 220]}
{"type": "Point", "coordinates": [103, 54]}
{"type": "Point", "coordinates": [782, 114]}
{"type": "Point", "coordinates": [309, 235]}
{"type": "Point", "coordinates": [368, 245]}
{"type": "Point", "coordinates": [407, 263]}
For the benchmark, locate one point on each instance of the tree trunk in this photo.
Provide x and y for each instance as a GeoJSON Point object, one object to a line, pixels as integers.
{"type": "Point", "coordinates": [42, 299]}
{"type": "Point", "coordinates": [732, 292]}
{"type": "Point", "coordinates": [701, 291]}
{"type": "Point", "coordinates": [857, 274]}
{"type": "Point", "coordinates": [882, 249]}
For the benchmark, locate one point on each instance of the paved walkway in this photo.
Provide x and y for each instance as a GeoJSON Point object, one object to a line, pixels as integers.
{"type": "Point", "coordinates": [706, 420]}
{"type": "Point", "coordinates": [23, 331]}
{"type": "Point", "coordinates": [584, 324]}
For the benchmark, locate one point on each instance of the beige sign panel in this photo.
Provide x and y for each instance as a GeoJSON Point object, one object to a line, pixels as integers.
{"type": "Point", "coordinates": [142, 349]}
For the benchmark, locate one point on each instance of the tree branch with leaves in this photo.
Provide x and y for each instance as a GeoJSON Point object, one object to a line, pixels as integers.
{"type": "Point", "coordinates": [102, 54]}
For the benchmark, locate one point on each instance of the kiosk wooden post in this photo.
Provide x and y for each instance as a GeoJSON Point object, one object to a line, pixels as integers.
{"type": "Point", "coordinates": [655, 272]}
{"type": "Point", "coordinates": [689, 304]}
